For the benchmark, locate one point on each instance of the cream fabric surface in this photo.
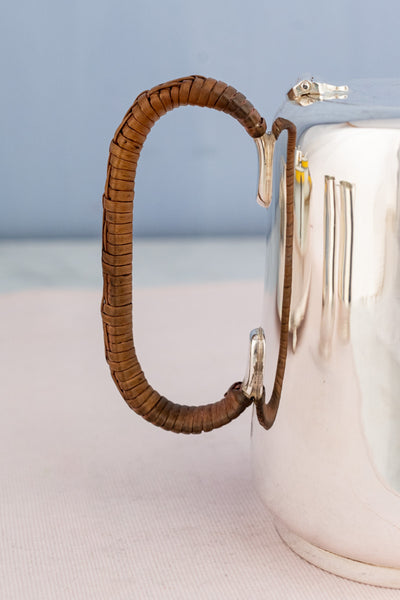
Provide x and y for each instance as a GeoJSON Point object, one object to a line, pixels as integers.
{"type": "Point", "coordinates": [98, 504]}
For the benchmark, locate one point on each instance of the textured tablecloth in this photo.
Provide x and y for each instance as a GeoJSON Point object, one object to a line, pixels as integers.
{"type": "Point", "coordinates": [98, 504]}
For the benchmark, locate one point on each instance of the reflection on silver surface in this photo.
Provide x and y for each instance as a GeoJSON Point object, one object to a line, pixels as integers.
{"type": "Point", "coordinates": [308, 91]}
{"type": "Point", "coordinates": [345, 311]}
{"type": "Point", "coordinates": [265, 148]}
{"type": "Point", "coordinates": [328, 286]}
{"type": "Point", "coordinates": [338, 231]}
{"type": "Point", "coordinates": [346, 232]}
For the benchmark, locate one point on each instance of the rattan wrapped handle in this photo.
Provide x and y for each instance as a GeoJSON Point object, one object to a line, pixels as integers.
{"type": "Point", "coordinates": [116, 308]}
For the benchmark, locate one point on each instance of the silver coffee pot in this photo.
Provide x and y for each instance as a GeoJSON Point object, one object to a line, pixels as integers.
{"type": "Point", "coordinates": [327, 463]}
{"type": "Point", "coordinates": [329, 469]}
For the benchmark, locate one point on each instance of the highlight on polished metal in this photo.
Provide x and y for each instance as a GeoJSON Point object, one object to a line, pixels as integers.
{"type": "Point", "coordinates": [337, 270]}
{"type": "Point", "coordinates": [253, 382]}
{"type": "Point", "coordinates": [346, 235]}
{"type": "Point", "coordinates": [329, 269]}
{"type": "Point", "coordinates": [307, 92]}
{"type": "Point", "coordinates": [265, 148]}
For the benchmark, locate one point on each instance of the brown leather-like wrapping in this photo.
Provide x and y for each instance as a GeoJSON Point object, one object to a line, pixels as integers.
{"type": "Point", "coordinates": [116, 308]}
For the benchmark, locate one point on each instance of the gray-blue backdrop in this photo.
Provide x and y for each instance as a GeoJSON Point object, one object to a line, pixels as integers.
{"type": "Point", "coordinates": [71, 68]}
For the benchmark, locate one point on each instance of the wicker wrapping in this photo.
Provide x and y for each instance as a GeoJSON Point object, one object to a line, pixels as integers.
{"type": "Point", "coordinates": [116, 308]}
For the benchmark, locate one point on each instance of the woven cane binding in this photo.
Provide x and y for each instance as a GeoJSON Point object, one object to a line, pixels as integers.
{"type": "Point", "coordinates": [116, 308]}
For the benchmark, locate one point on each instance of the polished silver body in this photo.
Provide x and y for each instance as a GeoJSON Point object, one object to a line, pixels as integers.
{"type": "Point", "coordinates": [336, 441]}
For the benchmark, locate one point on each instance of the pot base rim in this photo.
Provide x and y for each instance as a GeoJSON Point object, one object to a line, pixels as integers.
{"type": "Point", "coordinates": [347, 568]}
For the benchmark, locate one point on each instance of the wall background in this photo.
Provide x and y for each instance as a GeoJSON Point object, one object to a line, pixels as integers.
{"type": "Point", "coordinates": [71, 68]}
